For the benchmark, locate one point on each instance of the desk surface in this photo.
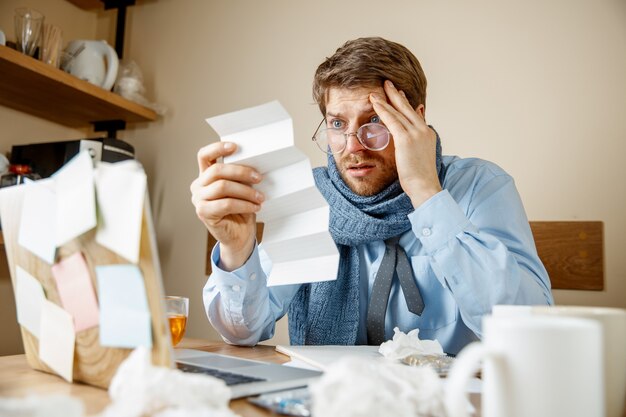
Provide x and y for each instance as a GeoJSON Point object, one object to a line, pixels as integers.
{"type": "Point", "coordinates": [18, 379]}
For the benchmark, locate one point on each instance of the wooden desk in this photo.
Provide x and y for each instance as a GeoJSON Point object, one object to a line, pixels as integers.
{"type": "Point", "coordinates": [17, 379]}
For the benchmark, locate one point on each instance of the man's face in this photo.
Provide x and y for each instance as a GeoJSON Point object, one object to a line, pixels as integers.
{"type": "Point", "coordinates": [365, 172]}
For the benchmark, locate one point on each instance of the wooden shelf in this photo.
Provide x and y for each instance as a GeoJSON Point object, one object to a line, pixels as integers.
{"type": "Point", "coordinates": [34, 87]}
{"type": "Point", "coordinates": [88, 4]}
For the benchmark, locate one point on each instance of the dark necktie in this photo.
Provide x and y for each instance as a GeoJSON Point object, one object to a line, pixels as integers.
{"type": "Point", "coordinates": [395, 259]}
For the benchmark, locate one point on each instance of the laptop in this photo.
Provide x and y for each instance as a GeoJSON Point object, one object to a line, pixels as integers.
{"type": "Point", "coordinates": [245, 377]}
{"type": "Point", "coordinates": [95, 364]}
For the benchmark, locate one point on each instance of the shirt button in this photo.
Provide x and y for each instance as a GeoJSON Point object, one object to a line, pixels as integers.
{"type": "Point", "coordinates": [253, 276]}
{"type": "Point", "coordinates": [426, 231]}
{"type": "Point", "coordinates": [236, 288]}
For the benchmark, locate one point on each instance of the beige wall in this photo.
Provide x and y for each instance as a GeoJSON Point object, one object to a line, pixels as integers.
{"type": "Point", "coordinates": [537, 87]}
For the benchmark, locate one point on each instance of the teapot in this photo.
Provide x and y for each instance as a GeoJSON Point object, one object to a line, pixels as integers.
{"type": "Point", "coordinates": [86, 60]}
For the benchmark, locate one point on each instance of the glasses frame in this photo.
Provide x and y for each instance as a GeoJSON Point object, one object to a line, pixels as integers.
{"type": "Point", "coordinates": [347, 135]}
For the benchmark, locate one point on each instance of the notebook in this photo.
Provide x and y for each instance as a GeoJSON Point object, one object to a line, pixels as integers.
{"type": "Point", "coordinates": [95, 364]}
{"type": "Point", "coordinates": [321, 357]}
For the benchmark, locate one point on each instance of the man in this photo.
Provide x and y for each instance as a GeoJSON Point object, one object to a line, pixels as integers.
{"type": "Point", "coordinates": [425, 241]}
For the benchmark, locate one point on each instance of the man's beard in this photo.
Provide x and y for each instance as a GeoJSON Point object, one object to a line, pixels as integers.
{"type": "Point", "coordinates": [385, 174]}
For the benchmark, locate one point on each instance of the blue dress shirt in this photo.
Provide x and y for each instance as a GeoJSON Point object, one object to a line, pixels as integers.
{"type": "Point", "coordinates": [470, 247]}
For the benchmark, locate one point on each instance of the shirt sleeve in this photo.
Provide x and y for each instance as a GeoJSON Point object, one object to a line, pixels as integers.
{"type": "Point", "coordinates": [483, 250]}
{"type": "Point", "coordinates": [239, 304]}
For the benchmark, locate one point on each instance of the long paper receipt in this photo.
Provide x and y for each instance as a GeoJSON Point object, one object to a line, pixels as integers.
{"type": "Point", "coordinates": [295, 235]}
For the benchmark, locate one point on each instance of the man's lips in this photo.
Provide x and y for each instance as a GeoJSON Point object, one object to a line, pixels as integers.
{"type": "Point", "coordinates": [360, 170]}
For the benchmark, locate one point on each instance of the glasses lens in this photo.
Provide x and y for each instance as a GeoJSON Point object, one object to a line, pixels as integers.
{"type": "Point", "coordinates": [374, 136]}
{"type": "Point", "coordinates": [330, 140]}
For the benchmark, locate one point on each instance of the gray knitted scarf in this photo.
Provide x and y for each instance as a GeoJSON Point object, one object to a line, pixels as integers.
{"type": "Point", "coordinates": [327, 313]}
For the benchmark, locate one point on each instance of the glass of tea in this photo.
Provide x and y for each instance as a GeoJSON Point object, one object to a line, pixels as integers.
{"type": "Point", "coordinates": [177, 310]}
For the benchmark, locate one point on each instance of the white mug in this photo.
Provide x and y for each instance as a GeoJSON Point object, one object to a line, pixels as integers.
{"type": "Point", "coordinates": [613, 322]}
{"type": "Point", "coordinates": [533, 366]}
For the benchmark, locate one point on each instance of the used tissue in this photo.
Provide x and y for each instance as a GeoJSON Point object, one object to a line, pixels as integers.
{"type": "Point", "coordinates": [406, 344]}
{"type": "Point", "coordinates": [140, 389]}
{"type": "Point", "coordinates": [356, 387]}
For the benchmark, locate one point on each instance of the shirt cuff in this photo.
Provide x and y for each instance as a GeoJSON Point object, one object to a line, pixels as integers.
{"type": "Point", "coordinates": [237, 283]}
{"type": "Point", "coordinates": [439, 220]}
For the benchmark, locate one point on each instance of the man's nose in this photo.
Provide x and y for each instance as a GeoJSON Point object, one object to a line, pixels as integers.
{"type": "Point", "coordinates": [352, 143]}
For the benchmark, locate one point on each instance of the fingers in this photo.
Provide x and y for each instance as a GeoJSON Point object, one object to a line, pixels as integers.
{"type": "Point", "coordinates": [230, 172]}
{"type": "Point", "coordinates": [398, 113]}
{"type": "Point", "coordinates": [209, 154]}
{"type": "Point", "coordinates": [399, 101]}
{"type": "Point", "coordinates": [224, 189]}
{"type": "Point", "coordinates": [394, 120]}
{"type": "Point", "coordinates": [214, 211]}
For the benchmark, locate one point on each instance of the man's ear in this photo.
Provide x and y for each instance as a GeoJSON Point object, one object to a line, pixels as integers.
{"type": "Point", "coordinates": [421, 110]}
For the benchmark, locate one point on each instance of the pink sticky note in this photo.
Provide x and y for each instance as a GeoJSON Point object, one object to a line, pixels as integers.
{"type": "Point", "coordinates": [76, 291]}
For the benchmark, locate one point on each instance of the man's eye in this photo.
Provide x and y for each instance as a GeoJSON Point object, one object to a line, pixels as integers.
{"type": "Point", "coordinates": [375, 119]}
{"type": "Point", "coordinates": [336, 124]}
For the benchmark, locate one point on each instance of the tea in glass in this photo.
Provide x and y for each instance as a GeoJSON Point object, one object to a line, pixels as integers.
{"type": "Point", "coordinates": [177, 309]}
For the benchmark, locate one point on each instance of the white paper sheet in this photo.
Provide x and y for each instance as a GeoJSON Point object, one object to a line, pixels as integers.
{"type": "Point", "coordinates": [29, 298]}
{"type": "Point", "coordinates": [124, 312]}
{"type": "Point", "coordinates": [56, 343]}
{"type": "Point", "coordinates": [57, 210]}
{"type": "Point", "coordinates": [295, 214]}
{"type": "Point", "coordinates": [38, 221]}
{"type": "Point", "coordinates": [75, 198]}
{"type": "Point", "coordinates": [121, 189]}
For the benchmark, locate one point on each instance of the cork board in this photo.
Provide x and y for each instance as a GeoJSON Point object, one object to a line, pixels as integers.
{"type": "Point", "coordinates": [93, 364]}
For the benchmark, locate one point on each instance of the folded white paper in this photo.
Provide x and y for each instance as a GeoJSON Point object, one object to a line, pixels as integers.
{"type": "Point", "coordinates": [295, 214]}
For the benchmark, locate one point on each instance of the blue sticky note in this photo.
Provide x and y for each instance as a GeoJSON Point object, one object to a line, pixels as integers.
{"type": "Point", "coordinates": [124, 312]}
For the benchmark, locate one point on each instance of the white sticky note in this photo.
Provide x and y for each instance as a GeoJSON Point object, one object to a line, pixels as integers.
{"type": "Point", "coordinates": [124, 312]}
{"type": "Point", "coordinates": [38, 221]}
{"type": "Point", "coordinates": [121, 189]}
{"type": "Point", "coordinates": [29, 298]}
{"type": "Point", "coordinates": [56, 342]}
{"type": "Point", "coordinates": [76, 200]}
{"type": "Point", "coordinates": [76, 291]}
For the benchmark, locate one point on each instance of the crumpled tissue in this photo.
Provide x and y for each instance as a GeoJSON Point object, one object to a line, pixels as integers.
{"type": "Point", "coordinates": [357, 387]}
{"type": "Point", "coordinates": [140, 389]}
{"type": "Point", "coordinates": [405, 344]}
{"type": "Point", "coordinates": [42, 406]}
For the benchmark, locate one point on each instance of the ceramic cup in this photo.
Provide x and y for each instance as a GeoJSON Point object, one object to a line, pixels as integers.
{"type": "Point", "coordinates": [613, 322]}
{"type": "Point", "coordinates": [533, 366]}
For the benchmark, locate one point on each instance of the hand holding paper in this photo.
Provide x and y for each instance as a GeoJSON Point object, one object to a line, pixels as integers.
{"type": "Point", "coordinates": [226, 202]}
{"type": "Point", "coordinates": [294, 212]}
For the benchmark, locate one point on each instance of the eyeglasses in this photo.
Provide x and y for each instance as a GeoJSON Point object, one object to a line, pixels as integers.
{"type": "Point", "coordinates": [373, 136]}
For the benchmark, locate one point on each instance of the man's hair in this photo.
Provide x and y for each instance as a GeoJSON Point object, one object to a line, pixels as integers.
{"type": "Point", "coordinates": [368, 62]}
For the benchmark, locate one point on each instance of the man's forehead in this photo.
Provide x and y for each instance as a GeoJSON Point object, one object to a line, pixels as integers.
{"type": "Point", "coordinates": [341, 100]}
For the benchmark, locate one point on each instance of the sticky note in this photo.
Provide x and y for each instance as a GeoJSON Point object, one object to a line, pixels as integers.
{"type": "Point", "coordinates": [124, 312]}
{"type": "Point", "coordinates": [56, 342]}
{"type": "Point", "coordinates": [76, 291]}
{"type": "Point", "coordinates": [76, 199]}
{"type": "Point", "coordinates": [29, 298]}
{"type": "Point", "coordinates": [121, 189]}
{"type": "Point", "coordinates": [38, 221]}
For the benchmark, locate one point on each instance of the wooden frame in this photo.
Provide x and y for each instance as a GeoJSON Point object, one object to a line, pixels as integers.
{"type": "Point", "coordinates": [93, 364]}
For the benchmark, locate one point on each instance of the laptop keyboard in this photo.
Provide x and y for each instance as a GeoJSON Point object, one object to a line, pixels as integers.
{"type": "Point", "coordinates": [228, 377]}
